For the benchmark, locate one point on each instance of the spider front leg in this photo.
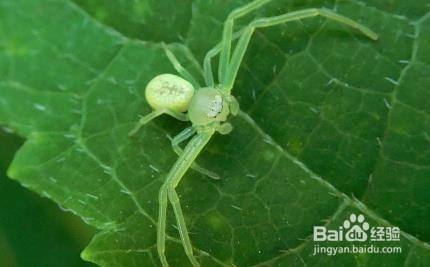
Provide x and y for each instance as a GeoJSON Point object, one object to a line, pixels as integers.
{"type": "Point", "coordinates": [227, 35]}
{"type": "Point", "coordinates": [147, 118]}
{"type": "Point", "coordinates": [243, 42]}
{"type": "Point", "coordinates": [207, 62]}
{"type": "Point", "coordinates": [207, 66]}
{"type": "Point", "coordinates": [182, 136]}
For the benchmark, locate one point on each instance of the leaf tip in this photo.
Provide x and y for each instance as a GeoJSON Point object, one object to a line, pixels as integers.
{"type": "Point", "coordinates": [86, 255]}
{"type": "Point", "coordinates": [12, 172]}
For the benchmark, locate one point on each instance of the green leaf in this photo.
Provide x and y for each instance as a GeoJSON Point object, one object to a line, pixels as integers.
{"type": "Point", "coordinates": [141, 18]}
{"type": "Point", "coordinates": [336, 124]}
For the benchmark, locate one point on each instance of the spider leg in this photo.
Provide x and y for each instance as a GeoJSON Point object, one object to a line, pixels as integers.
{"type": "Point", "coordinates": [243, 42]}
{"type": "Point", "coordinates": [233, 105]}
{"type": "Point", "coordinates": [193, 59]}
{"type": "Point", "coordinates": [182, 136]}
{"type": "Point", "coordinates": [228, 32]}
{"type": "Point", "coordinates": [161, 227]}
{"type": "Point", "coordinates": [225, 128]}
{"type": "Point", "coordinates": [182, 226]}
{"type": "Point", "coordinates": [178, 170]}
{"type": "Point", "coordinates": [179, 68]}
{"type": "Point", "coordinates": [207, 65]}
{"type": "Point", "coordinates": [147, 118]}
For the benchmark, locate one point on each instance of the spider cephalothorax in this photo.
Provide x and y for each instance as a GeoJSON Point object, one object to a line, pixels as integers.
{"type": "Point", "coordinates": [208, 105]}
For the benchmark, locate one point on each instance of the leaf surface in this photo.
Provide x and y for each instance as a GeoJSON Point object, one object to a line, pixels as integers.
{"type": "Point", "coordinates": [336, 124]}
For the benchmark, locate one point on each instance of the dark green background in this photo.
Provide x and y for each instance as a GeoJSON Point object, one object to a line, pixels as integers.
{"type": "Point", "coordinates": [33, 230]}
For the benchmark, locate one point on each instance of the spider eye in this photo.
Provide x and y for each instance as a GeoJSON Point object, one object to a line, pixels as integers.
{"type": "Point", "coordinates": [207, 105]}
{"type": "Point", "coordinates": [215, 107]}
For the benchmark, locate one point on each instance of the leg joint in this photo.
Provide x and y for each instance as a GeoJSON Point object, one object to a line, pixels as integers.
{"type": "Point", "coordinates": [172, 195]}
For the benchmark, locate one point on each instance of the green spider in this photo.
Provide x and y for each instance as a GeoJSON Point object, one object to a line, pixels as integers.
{"type": "Point", "coordinates": [208, 107]}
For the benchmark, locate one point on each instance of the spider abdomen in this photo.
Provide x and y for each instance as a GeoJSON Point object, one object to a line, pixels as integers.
{"type": "Point", "coordinates": [168, 91]}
